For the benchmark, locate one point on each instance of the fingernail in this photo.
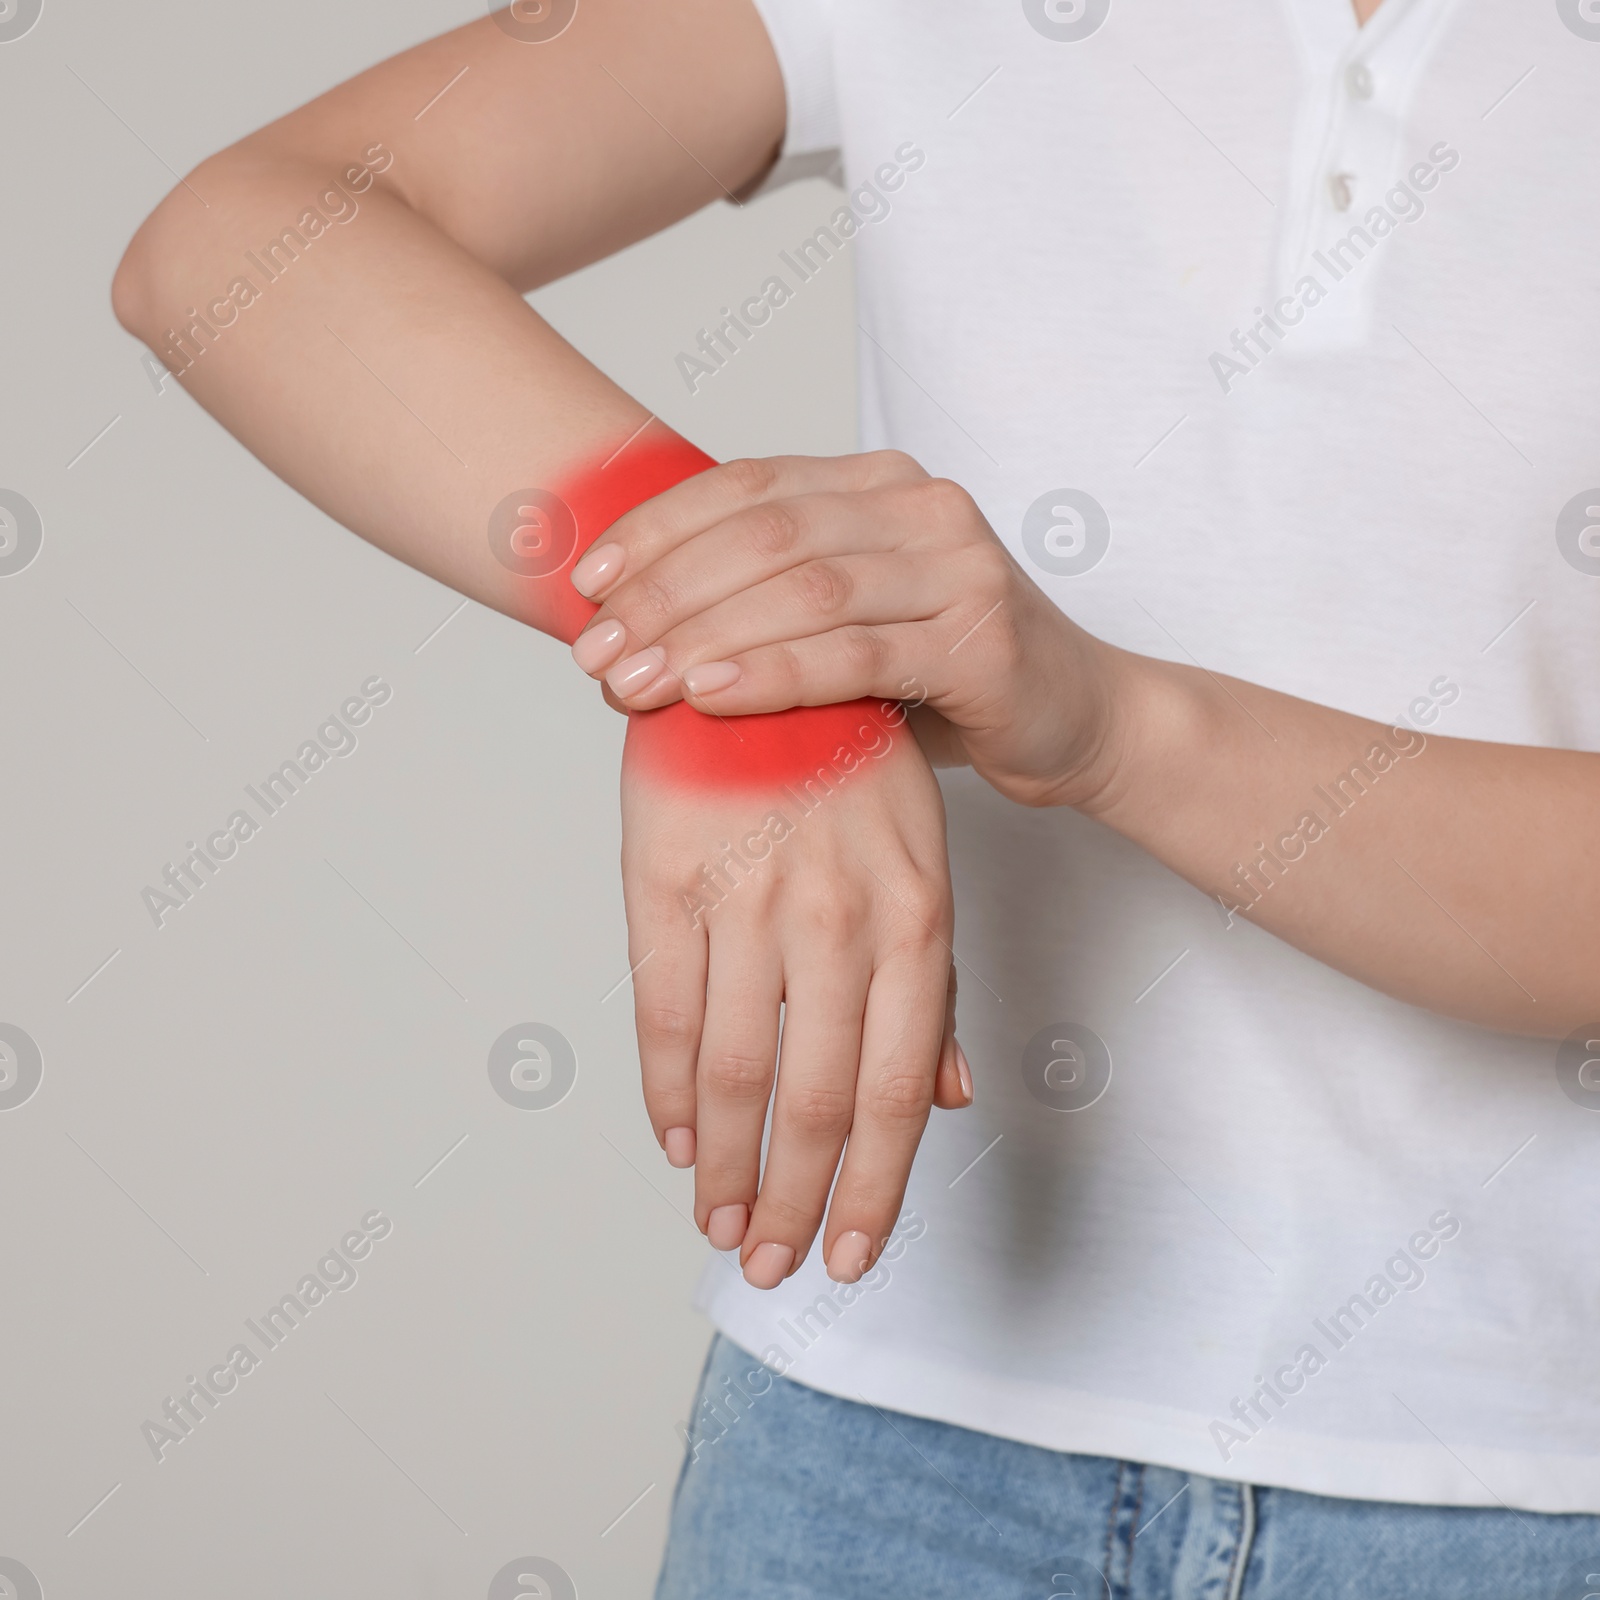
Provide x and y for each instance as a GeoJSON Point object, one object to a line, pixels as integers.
{"type": "Point", "coordinates": [680, 1146]}
{"type": "Point", "coordinates": [726, 1225]}
{"type": "Point", "coordinates": [659, 692]}
{"type": "Point", "coordinates": [710, 676]}
{"type": "Point", "coordinates": [768, 1264]}
{"type": "Point", "coordinates": [596, 648]}
{"type": "Point", "coordinates": [631, 675]}
{"type": "Point", "coordinates": [964, 1072]}
{"type": "Point", "coordinates": [849, 1257]}
{"type": "Point", "coordinates": [598, 567]}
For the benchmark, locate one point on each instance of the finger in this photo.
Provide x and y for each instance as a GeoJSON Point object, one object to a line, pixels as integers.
{"type": "Point", "coordinates": [667, 956]}
{"type": "Point", "coordinates": [952, 1088]}
{"type": "Point", "coordinates": [894, 1093]}
{"type": "Point", "coordinates": [801, 541]}
{"type": "Point", "coordinates": [901, 643]}
{"type": "Point", "coordinates": [734, 1074]}
{"type": "Point", "coordinates": [819, 596]}
{"type": "Point", "coordinates": [751, 545]}
{"type": "Point", "coordinates": [894, 661]}
{"type": "Point", "coordinates": [645, 533]}
{"type": "Point", "coordinates": [811, 1109]}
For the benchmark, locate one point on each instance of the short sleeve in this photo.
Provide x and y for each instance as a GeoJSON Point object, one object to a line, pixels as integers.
{"type": "Point", "coordinates": [802, 37]}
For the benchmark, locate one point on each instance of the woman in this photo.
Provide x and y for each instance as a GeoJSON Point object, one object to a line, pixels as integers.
{"type": "Point", "coordinates": [1231, 399]}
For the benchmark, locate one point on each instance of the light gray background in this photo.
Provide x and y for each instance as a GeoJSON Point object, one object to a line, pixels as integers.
{"type": "Point", "coordinates": [308, 1037]}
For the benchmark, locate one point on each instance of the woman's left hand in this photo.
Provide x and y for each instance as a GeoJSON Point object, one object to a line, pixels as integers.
{"type": "Point", "coordinates": [764, 584]}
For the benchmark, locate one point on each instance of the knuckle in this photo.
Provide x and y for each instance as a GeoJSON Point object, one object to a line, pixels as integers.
{"type": "Point", "coordinates": [787, 1217]}
{"type": "Point", "coordinates": [817, 1112]}
{"type": "Point", "coordinates": [669, 1108]}
{"type": "Point", "coordinates": [895, 466]}
{"type": "Point", "coordinates": [729, 1075]}
{"type": "Point", "coordinates": [900, 1095]}
{"type": "Point", "coordinates": [865, 653]}
{"type": "Point", "coordinates": [783, 665]}
{"type": "Point", "coordinates": [772, 529]}
{"type": "Point", "coordinates": [665, 1027]}
{"type": "Point", "coordinates": [829, 919]}
{"type": "Point", "coordinates": [751, 476]}
{"type": "Point", "coordinates": [653, 600]}
{"type": "Point", "coordinates": [655, 889]}
{"type": "Point", "coordinates": [945, 502]}
{"type": "Point", "coordinates": [927, 914]}
{"type": "Point", "coordinates": [825, 587]}
{"type": "Point", "coordinates": [989, 566]}
{"type": "Point", "coordinates": [928, 902]}
{"type": "Point", "coordinates": [911, 942]}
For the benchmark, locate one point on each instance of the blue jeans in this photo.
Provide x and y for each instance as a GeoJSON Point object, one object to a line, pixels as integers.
{"type": "Point", "coordinates": [791, 1494]}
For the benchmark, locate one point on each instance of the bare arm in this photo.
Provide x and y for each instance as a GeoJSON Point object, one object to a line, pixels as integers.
{"type": "Point", "coordinates": [391, 371]}
{"type": "Point", "coordinates": [1454, 874]}
{"type": "Point", "coordinates": [345, 288]}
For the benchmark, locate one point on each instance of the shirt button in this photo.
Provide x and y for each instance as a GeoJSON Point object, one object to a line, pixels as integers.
{"type": "Point", "coordinates": [1341, 187]}
{"type": "Point", "coordinates": [1358, 80]}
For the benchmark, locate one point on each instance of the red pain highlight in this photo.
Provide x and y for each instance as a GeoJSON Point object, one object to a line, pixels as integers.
{"type": "Point", "coordinates": [808, 750]}
{"type": "Point", "coordinates": [801, 748]}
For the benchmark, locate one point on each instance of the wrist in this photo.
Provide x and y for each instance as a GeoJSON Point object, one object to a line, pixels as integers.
{"type": "Point", "coordinates": [540, 534]}
{"type": "Point", "coordinates": [1078, 711]}
{"type": "Point", "coordinates": [1154, 726]}
{"type": "Point", "coordinates": [808, 750]}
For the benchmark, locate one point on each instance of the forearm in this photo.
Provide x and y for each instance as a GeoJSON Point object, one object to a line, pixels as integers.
{"type": "Point", "coordinates": [409, 390]}
{"type": "Point", "coordinates": [394, 380]}
{"type": "Point", "coordinates": [348, 280]}
{"type": "Point", "coordinates": [1454, 874]}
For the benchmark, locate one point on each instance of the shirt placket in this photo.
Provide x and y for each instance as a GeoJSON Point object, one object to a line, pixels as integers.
{"type": "Point", "coordinates": [1348, 153]}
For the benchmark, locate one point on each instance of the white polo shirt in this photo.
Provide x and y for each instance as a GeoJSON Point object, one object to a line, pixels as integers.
{"type": "Point", "coordinates": [1271, 344]}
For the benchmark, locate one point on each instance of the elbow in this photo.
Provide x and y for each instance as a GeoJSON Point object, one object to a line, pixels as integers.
{"type": "Point", "coordinates": [149, 258]}
{"type": "Point", "coordinates": [155, 256]}
{"type": "Point", "coordinates": [130, 294]}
